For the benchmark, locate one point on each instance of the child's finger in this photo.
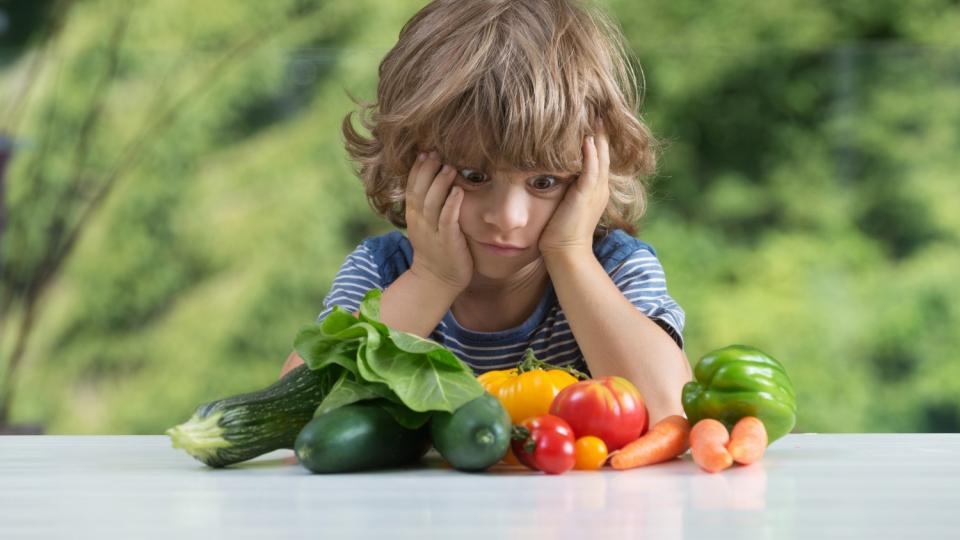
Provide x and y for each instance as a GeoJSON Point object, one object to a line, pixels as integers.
{"type": "Point", "coordinates": [412, 175]}
{"type": "Point", "coordinates": [450, 215]}
{"type": "Point", "coordinates": [436, 195]}
{"type": "Point", "coordinates": [603, 148]}
{"type": "Point", "coordinates": [418, 183]}
{"type": "Point", "coordinates": [590, 169]}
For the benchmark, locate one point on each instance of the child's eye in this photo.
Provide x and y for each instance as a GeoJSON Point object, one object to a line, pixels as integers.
{"type": "Point", "coordinates": [544, 183]}
{"type": "Point", "coordinates": [472, 176]}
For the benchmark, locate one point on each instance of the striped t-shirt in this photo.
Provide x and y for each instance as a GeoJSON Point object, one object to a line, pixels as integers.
{"type": "Point", "coordinates": [632, 265]}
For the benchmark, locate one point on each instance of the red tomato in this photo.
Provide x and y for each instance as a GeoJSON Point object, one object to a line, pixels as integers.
{"type": "Point", "coordinates": [610, 408]}
{"type": "Point", "coordinates": [545, 443]}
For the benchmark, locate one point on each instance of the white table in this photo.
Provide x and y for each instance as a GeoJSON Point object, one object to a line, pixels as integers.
{"type": "Point", "coordinates": [807, 486]}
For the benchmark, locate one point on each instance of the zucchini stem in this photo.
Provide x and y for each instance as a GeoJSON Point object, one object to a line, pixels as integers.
{"type": "Point", "coordinates": [202, 438]}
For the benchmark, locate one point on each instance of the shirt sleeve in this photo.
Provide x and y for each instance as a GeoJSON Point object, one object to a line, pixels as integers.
{"type": "Point", "coordinates": [642, 281]}
{"type": "Point", "coordinates": [357, 275]}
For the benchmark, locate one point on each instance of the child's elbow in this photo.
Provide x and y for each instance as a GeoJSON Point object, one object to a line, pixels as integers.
{"type": "Point", "coordinates": [292, 362]}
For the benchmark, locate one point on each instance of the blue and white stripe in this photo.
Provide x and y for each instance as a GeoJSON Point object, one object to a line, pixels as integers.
{"type": "Point", "coordinates": [643, 282]}
{"type": "Point", "coordinates": [357, 275]}
{"type": "Point", "coordinates": [640, 278]}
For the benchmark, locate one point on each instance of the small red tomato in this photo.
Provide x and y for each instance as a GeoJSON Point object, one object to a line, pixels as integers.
{"type": "Point", "coordinates": [610, 408]}
{"type": "Point", "coordinates": [545, 443]}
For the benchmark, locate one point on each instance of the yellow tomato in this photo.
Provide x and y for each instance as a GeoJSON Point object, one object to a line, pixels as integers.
{"type": "Point", "coordinates": [591, 453]}
{"type": "Point", "coordinates": [528, 390]}
{"type": "Point", "coordinates": [511, 459]}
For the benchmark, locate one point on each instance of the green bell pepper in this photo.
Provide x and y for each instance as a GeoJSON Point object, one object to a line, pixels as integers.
{"type": "Point", "coordinates": [738, 381]}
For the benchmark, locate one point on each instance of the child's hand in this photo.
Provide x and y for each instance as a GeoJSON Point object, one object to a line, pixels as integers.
{"type": "Point", "coordinates": [440, 251]}
{"type": "Point", "coordinates": [572, 225]}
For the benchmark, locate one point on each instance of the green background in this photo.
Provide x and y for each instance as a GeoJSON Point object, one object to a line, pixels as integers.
{"type": "Point", "coordinates": [179, 198]}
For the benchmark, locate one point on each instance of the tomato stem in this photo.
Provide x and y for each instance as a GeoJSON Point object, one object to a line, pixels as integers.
{"type": "Point", "coordinates": [519, 433]}
{"type": "Point", "coordinates": [531, 363]}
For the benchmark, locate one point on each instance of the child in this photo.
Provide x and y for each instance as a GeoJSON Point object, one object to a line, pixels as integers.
{"type": "Point", "coordinates": [505, 141]}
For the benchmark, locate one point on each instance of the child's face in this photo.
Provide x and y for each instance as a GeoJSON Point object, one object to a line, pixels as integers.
{"type": "Point", "coordinates": [507, 207]}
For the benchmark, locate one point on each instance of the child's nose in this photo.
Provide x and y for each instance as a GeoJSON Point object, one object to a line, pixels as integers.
{"type": "Point", "coordinates": [508, 209]}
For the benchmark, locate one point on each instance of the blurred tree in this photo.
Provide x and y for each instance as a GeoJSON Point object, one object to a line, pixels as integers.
{"type": "Point", "coordinates": [25, 25]}
{"type": "Point", "coordinates": [807, 139]}
{"type": "Point", "coordinates": [22, 21]}
{"type": "Point", "coordinates": [59, 198]}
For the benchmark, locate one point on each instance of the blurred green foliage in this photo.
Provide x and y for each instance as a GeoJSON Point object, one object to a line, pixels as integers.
{"type": "Point", "coordinates": [806, 200]}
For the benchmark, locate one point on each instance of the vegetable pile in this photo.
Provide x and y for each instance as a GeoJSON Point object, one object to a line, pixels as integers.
{"type": "Point", "coordinates": [740, 401]}
{"type": "Point", "coordinates": [369, 396]}
{"type": "Point", "coordinates": [356, 369]}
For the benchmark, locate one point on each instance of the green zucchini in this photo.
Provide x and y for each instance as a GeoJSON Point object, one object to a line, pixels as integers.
{"type": "Point", "coordinates": [359, 436]}
{"type": "Point", "coordinates": [475, 436]}
{"type": "Point", "coordinates": [242, 427]}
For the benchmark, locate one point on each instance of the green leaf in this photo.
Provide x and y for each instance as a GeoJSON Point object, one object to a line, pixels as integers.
{"type": "Point", "coordinates": [419, 375]}
{"type": "Point", "coordinates": [338, 319]}
{"type": "Point", "coordinates": [360, 330]}
{"type": "Point", "coordinates": [346, 360]}
{"type": "Point", "coordinates": [347, 390]}
{"type": "Point", "coordinates": [422, 381]}
{"type": "Point", "coordinates": [404, 416]}
{"type": "Point", "coordinates": [319, 348]}
{"type": "Point", "coordinates": [366, 372]}
{"type": "Point", "coordinates": [370, 311]}
{"type": "Point", "coordinates": [415, 344]}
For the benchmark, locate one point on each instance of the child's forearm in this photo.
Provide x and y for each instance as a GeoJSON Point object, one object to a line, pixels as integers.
{"type": "Point", "coordinates": [410, 304]}
{"type": "Point", "coordinates": [614, 337]}
{"type": "Point", "coordinates": [414, 304]}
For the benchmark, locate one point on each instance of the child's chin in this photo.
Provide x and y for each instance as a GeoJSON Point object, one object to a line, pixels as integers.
{"type": "Point", "coordinates": [498, 269]}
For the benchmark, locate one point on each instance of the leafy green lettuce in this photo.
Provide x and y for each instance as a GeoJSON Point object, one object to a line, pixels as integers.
{"type": "Point", "coordinates": [411, 376]}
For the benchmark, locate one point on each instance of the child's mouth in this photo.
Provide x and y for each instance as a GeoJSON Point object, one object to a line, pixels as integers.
{"type": "Point", "coordinates": [501, 250]}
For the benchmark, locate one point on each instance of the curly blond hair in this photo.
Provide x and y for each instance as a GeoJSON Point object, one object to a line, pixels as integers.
{"type": "Point", "coordinates": [504, 83]}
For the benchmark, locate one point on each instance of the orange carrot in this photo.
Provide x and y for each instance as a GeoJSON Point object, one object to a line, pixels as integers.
{"type": "Point", "coordinates": [708, 440]}
{"type": "Point", "coordinates": [666, 440]}
{"type": "Point", "coordinates": [748, 440]}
